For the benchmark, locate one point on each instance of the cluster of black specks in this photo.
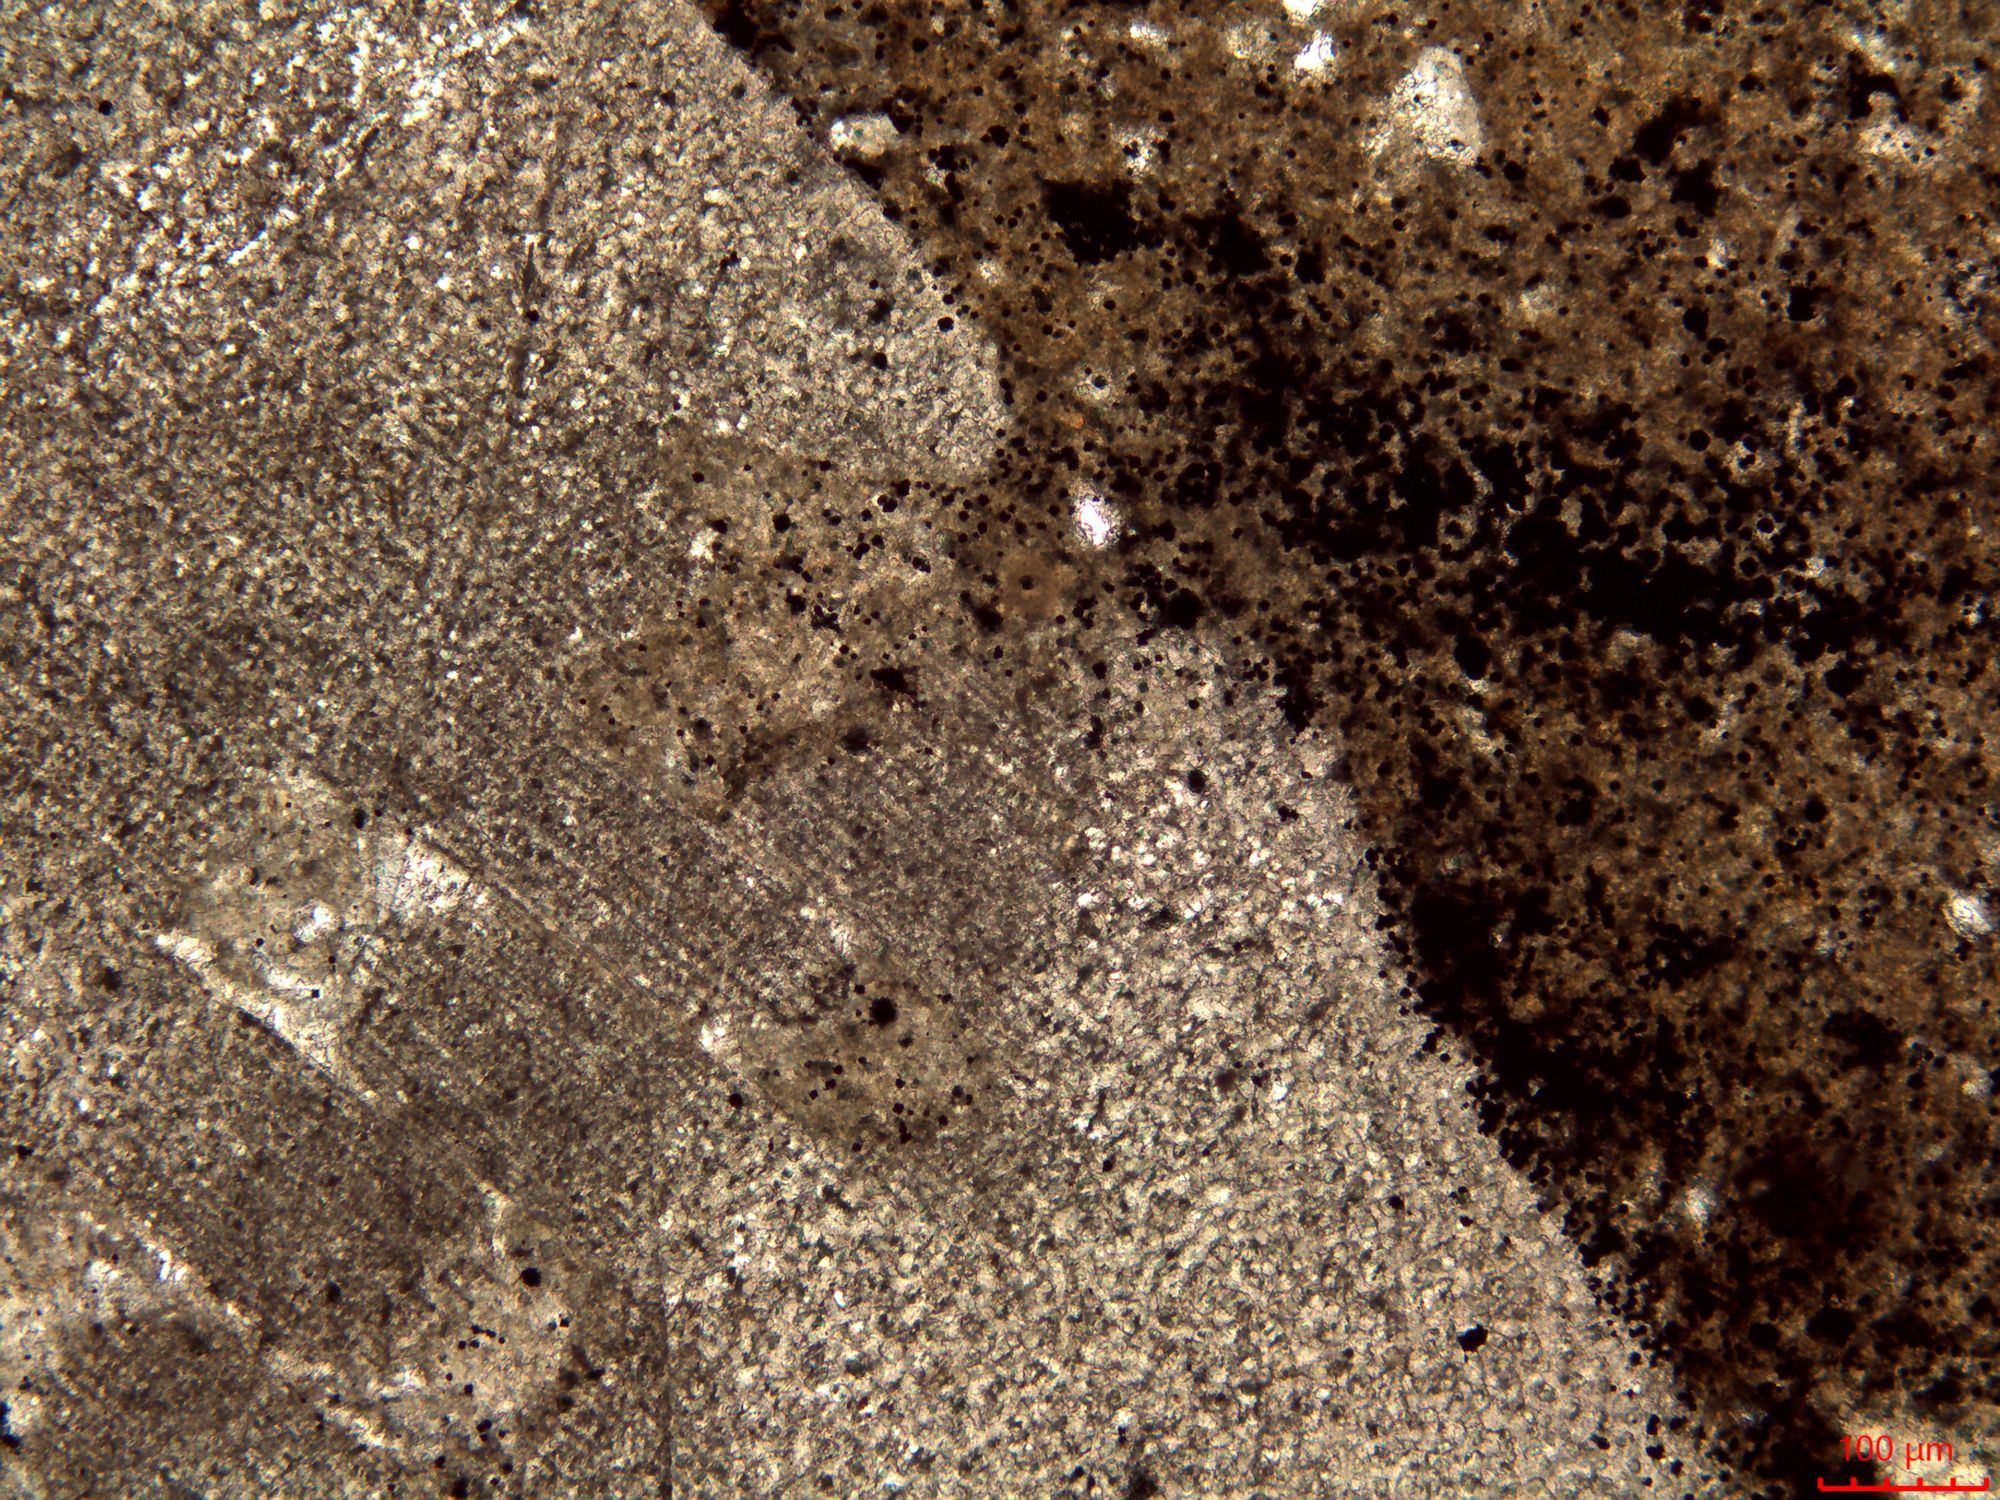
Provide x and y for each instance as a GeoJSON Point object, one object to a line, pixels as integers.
{"type": "Point", "coordinates": [1621, 499]}
{"type": "Point", "coordinates": [724, 682]}
{"type": "Point", "coordinates": [873, 1063]}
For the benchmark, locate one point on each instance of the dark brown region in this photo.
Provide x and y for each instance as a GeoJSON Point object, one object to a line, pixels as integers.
{"type": "Point", "coordinates": [1654, 622]}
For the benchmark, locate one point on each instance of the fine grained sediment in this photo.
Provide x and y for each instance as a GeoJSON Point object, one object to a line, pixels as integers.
{"type": "Point", "coordinates": [1587, 412]}
{"type": "Point", "coordinates": [669, 810]}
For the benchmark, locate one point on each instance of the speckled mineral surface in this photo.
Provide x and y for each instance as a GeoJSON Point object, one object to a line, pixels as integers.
{"type": "Point", "coordinates": [1026, 749]}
